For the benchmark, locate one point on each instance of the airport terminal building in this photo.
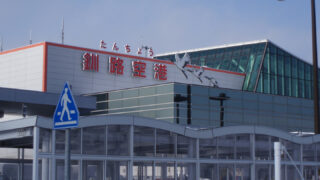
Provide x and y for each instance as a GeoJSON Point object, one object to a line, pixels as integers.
{"type": "Point", "coordinates": [210, 113]}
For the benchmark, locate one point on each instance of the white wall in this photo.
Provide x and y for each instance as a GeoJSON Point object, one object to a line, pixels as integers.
{"type": "Point", "coordinates": [22, 69]}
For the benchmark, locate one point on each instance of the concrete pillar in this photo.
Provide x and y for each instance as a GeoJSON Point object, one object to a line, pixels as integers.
{"type": "Point", "coordinates": [277, 160]}
{"type": "Point", "coordinates": [35, 163]}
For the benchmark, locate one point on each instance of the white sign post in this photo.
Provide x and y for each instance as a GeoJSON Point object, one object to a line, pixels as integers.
{"type": "Point", "coordinates": [65, 117]}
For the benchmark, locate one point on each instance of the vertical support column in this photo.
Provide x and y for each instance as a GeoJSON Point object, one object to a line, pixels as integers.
{"type": "Point", "coordinates": [130, 168]}
{"type": "Point", "coordinates": [175, 155]}
{"type": "Point", "coordinates": [153, 170]}
{"type": "Point", "coordinates": [81, 152]}
{"type": "Point", "coordinates": [22, 163]}
{"type": "Point", "coordinates": [106, 151]}
{"type": "Point", "coordinates": [45, 165]}
{"type": "Point", "coordinates": [277, 160]}
{"type": "Point", "coordinates": [19, 164]}
{"type": "Point", "coordinates": [81, 170]}
{"type": "Point", "coordinates": [154, 153]}
{"type": "Point", "coordinates": [53, 159]}
{"type": "Point", "coordinates": [67, 156]}
{"type": "Point", "coordinates": [189, 104]}
{"type": "Point", "coordinates": [35, 163]}
{"type": "Point", "coordinates": [315, 69]}
{"type": "Point", "coordinates": [155, 143]}
{"type": "Point", "coordinates": [104, 170]}
{"type": "Point", "coordinates": [175, 170]}
{"type": "Point", "coordinates": [301, 159]}
{"type": "Point", "coordinates": [198, 157]}
{"type": "Point", "coordinates": [253, 156]}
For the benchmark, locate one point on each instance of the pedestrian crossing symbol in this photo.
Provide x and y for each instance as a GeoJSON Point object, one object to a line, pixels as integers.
{"type": "Point", "coordinates": [66, 114]}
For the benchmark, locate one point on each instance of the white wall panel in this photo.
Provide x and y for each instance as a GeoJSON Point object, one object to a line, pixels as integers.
{"type": "Point", "coordinates": [65, 64]}
{"type": "Point", "coordinates": [22, 69]}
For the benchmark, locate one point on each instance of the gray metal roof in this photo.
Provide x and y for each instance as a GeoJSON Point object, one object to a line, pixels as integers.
{"type": "Point", "coordinates": [89, 121]}
{"type": "Point", "coordinates": [38, 103]}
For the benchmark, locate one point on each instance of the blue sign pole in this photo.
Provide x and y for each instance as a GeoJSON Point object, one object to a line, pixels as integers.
{"type": "Point", "coordinates": [65, 117]}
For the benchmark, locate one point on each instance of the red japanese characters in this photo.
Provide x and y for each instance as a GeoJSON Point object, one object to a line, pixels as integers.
{"type": "Point", "coordinates": [160, 71]}
{"type": "Point", "coordinates": [138, 69]}
{"type": "Point", "coordinates": [90, 62]}
{"type": "Point", "coordinates": [116, 66]}
{"type": "Point", "coordinates": [127, 48]}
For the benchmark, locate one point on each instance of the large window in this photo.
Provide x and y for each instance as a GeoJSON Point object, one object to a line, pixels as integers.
{"type": "Point", "coordinates": [209, 171]}
{"type": "Point", "coordinates": [117, 170]}
{"type": "Point", "coordinates": [94, 140]}
{"type": "Point", "coordinates": [226, 147]}
{"type": "Point", "coordinates": [144, 141]}
{"type": "Point", "coordinates": [166, 142]}
{"type": "Point", "coordinates": [118, 140]}
{"type": "Point", "coordinates": [208, 148]}
{"type": "Point", "coordinates": [186, 147]}
{"type": "Point", "coordinates": [262, 147]}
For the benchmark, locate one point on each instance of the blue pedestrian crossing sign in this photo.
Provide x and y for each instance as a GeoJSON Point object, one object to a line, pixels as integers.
{"type": "Point", "coordinates": [66, 114]}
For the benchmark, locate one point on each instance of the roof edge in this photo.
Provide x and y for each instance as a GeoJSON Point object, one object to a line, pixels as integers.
{"type": "Point", "coordinates": [214, 47]}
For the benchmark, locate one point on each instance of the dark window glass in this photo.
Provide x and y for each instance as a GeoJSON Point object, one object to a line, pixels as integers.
{"type": "Point", "coordinates": [266, 83]}
{"type": "Point", "coordinates": [294, 67]}
{"type": "Point", "coordinates": [45, 140]}
{"type": "Point", "coordinates": [226, 61]}
{"type": "Point", "coordinates": [102, 97]}
{"type": "Point", "coordinates": [249, 70]}
{"type": "Point", "coordinates": [143, 141]}
{"type": "Point", "coordinates": [165, 143]}
{"type": "Point", "coordinates": [309, 152]}
{"type": "Point", "coordinates": [186, 147]}
{"type": "Point", "coordinates": [243, 150]}
{"type": "Point", "coordinates": [308, 70]}
{"type": "Point", "coordinates": [266, 64]}
{"type": "Point", "coordinates": [273, 64]}
{"type": "Point", "coordinates": [226, 171]}
{"type": "Point", "coordinates": [260, 84]}
{"type": "Point", "coordinates": [208, 148]}
{"type": "Point", "coordinates": [262, 147]}
{"type": "Point", "coordinates": [308, 89]}
{"type": "Point", "coordinates": [75, 136]}
{"type": "Point", "coordinates": [94, 140]}
{"type": "Point", "coordinates": [287, 91]}
{"type": "Point", "coordinates": [117, 170]}
{"type": "Point", "coordinates": [287, 66]}
{"type": "Point", "coordinates": [301, 69]}
{"type": "Point", "coordinates": [208, 171]}
{"type": "Point", "coordinates": [118, 140]}
{"type": "Point", "coordinates": [294, 90]}
{"type": "Point", "coordinates": [226, 147]}
{"type": "Point", "coordinates": [280, 87]}
{"type": "Point", "coordinates": [301, 88]}
{"type": "Point", "coordinates": [243, 64]}
{"type": "Point", "coordinates": [280, 68]}
{"type": "Point", "coordinates": [273, 85]}
{"type": "Point", "coordinates": [254, 74]}
{"type": "Point", "coordinates": [293, 149]}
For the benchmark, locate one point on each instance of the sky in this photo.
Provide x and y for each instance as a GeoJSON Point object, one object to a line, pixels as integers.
{"type": "Point", "coordinates": [165, 25]}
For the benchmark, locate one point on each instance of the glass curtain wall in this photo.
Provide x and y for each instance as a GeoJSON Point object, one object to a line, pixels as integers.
{"type": "Point", "coordinates": [284, 74]}
{"type": "Point", "coordinates": [268, 68]}
{"type": "Point", "coordinates": [166, 155]}
{"type": "Point", "coordinates": [242, 59]}
{"type": "Point", "coordinates": [152, 102]}
{"type": "Point", "coordinates": [191, 105]}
